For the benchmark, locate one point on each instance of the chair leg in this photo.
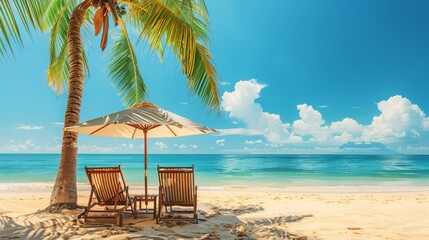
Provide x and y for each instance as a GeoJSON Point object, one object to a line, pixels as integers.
{"type": "Point", "coordinates": [154, 208]}
{"type": "Point", "coordinates": [195, 214]}
{"type": "Point", "coordinates": [134, 206]}
{"type": "Point", "coordinates": [157, 218]}
{"type": "Point", "coordinates": [159, 211]}
{"type": "Point", "coordinates": [130, 204]}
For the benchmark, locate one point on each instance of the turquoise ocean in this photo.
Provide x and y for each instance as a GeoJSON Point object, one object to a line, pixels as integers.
{"type": "Point", "coordinates": [236, 170]}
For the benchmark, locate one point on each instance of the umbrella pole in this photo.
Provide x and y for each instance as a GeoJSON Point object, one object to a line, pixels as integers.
{"type": "Point", "coordinates": [145, 166]}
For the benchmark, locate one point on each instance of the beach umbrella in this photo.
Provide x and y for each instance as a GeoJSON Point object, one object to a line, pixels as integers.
{"type": "Point", "coordinates": [143, 120]}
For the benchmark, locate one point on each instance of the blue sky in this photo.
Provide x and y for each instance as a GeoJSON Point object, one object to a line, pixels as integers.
{"type": "Point", "coordinates": [296, 77]}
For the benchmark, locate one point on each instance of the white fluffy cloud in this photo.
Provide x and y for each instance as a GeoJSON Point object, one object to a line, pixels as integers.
{"type": "Point", "coordinates": [184, 147]}
{"type": "Point", "coordinates": [93, 148]}
{"type": "Point", "coordinates": [323, 106]}
{"type": "Point", "coordinates": [128, 146]}
{"type": "Point", "coordinates": [310, 123]}
{"type": "Point", "coordinates": [347, 125]}
{"type": "Point", "coordinates": [161, 145]}
{"type": "Point", "coordinates": [220, 142]}
{"type": "Point", "coordinates": [18, 146]}
{"type": "Point", "coordinates": [28, 127]}
{"type": "Point", "coordinates": [311, 126]}
{"type": "Point", "coordinates": [119, 148]}
{"type": "Point", "coordinates": [251, 142]}
{"type": "Point", "coordinates": [31, 146]}
{"type": "Point", "coordinates": [238, 131]}
{"type": "Point", "coordinates": [240, 104]}
{"type": "Point", "coordinates": [399, 120]}
{"type": "Point", "coordinates": [28, 146]}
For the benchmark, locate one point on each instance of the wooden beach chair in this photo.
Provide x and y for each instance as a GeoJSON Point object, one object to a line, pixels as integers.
{"type": "Point", "coordinates": [177, 189]}
{"type": "Point", "coordinates": [110, 190]}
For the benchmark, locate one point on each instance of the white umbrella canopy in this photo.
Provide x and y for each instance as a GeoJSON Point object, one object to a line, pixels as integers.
{"type": "Point", "coordinates": [135, 121]}
{"type": "Point", "coordinates": [142, 120]}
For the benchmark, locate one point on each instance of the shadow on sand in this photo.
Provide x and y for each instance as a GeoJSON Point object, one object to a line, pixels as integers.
{"type": "Point", "coordinates": [215, 223]}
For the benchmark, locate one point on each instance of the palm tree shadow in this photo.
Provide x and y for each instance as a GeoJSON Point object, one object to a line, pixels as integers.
{"type": "Point", "coordinates": [215, 223]}
{"type": "Point", "coordinates": [280, 220]}
{"type": "Point", "coordinates": [259, 228]}
{"type": "Point", "coordinates": [276, 227]}
{"type": "Point", "coordinates": [27, 229]}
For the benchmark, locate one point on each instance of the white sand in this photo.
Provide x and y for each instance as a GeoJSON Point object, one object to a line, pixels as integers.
{"type": "Point", "coordinates": [351, 212]}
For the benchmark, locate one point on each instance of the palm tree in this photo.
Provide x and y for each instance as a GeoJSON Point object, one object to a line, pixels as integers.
{"type": "Point", "coordinates": [15, 15]}
{"type": "Point", "coordinates": [180, 24]}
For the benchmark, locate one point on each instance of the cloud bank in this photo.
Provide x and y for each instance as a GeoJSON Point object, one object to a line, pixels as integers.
{"type": "Point", "coordinates": [399, 121]}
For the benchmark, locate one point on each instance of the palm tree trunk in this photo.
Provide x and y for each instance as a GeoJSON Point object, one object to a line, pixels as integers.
{"type": "Point", "coordinates": [64, 193]}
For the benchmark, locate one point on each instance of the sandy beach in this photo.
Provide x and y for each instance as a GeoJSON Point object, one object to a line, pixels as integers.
{"type": "Point", "coordinates": [350, 212]}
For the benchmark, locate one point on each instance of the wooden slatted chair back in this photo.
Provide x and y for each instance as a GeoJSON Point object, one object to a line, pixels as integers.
{"type": "Point", "coordinates": [107, 182]}
{"type": "Point", "coordinates": [177, 184]}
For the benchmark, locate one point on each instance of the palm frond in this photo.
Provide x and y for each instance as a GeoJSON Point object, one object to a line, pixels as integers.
{"type": "Point", "coordinates": [136, 23]}
{"type": "Point", "coordinates": [157, 21]}
{"type": "Point", "coordinates": [194, 13]}
{"type": "Point", "coordinates": [8, 26]}
{"type": "Point", "coordinates": [52, 9]}
{"type": "Point", "coordinates": [204, 79]}
{"type": "Point", "coordinates": [58, 71]}
{"type": "Point", "coordinates": [56, 18]}
{"type": "Point", "coordinates": [15, 14]}
{"type": "Point", "coordinates": [30, 12]}
{"type": "Point", "coordinates": [201, 8]}
{"type": "Point", "coordinates": [87, 35]}
{"type": "Point", "coordinates": [179, 25]}
{"type": "Point", "coordinates": [123, 70]}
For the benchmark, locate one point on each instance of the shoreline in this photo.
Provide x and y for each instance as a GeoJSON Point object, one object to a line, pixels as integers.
{"type": "Point", "coordinates": [335, 189]}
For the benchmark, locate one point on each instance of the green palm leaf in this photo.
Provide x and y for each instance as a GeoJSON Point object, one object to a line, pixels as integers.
{"type": "Point", "coordinates": [194, 13]}
{"type": "Point", "coordinates": [123, 70]}
{"type": "Point", "coordinates": [204, 78]}
{"type": "Point", "coordinates": [179, 24]}
{"type": "Point", "coordinates": [56, 18]}
{"type": "Point", "coordinates": [30, 12]}
{"type": "Point", "coordinates": [52, 11]}
{"type": "Point", "coordinates": [28, 15]}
